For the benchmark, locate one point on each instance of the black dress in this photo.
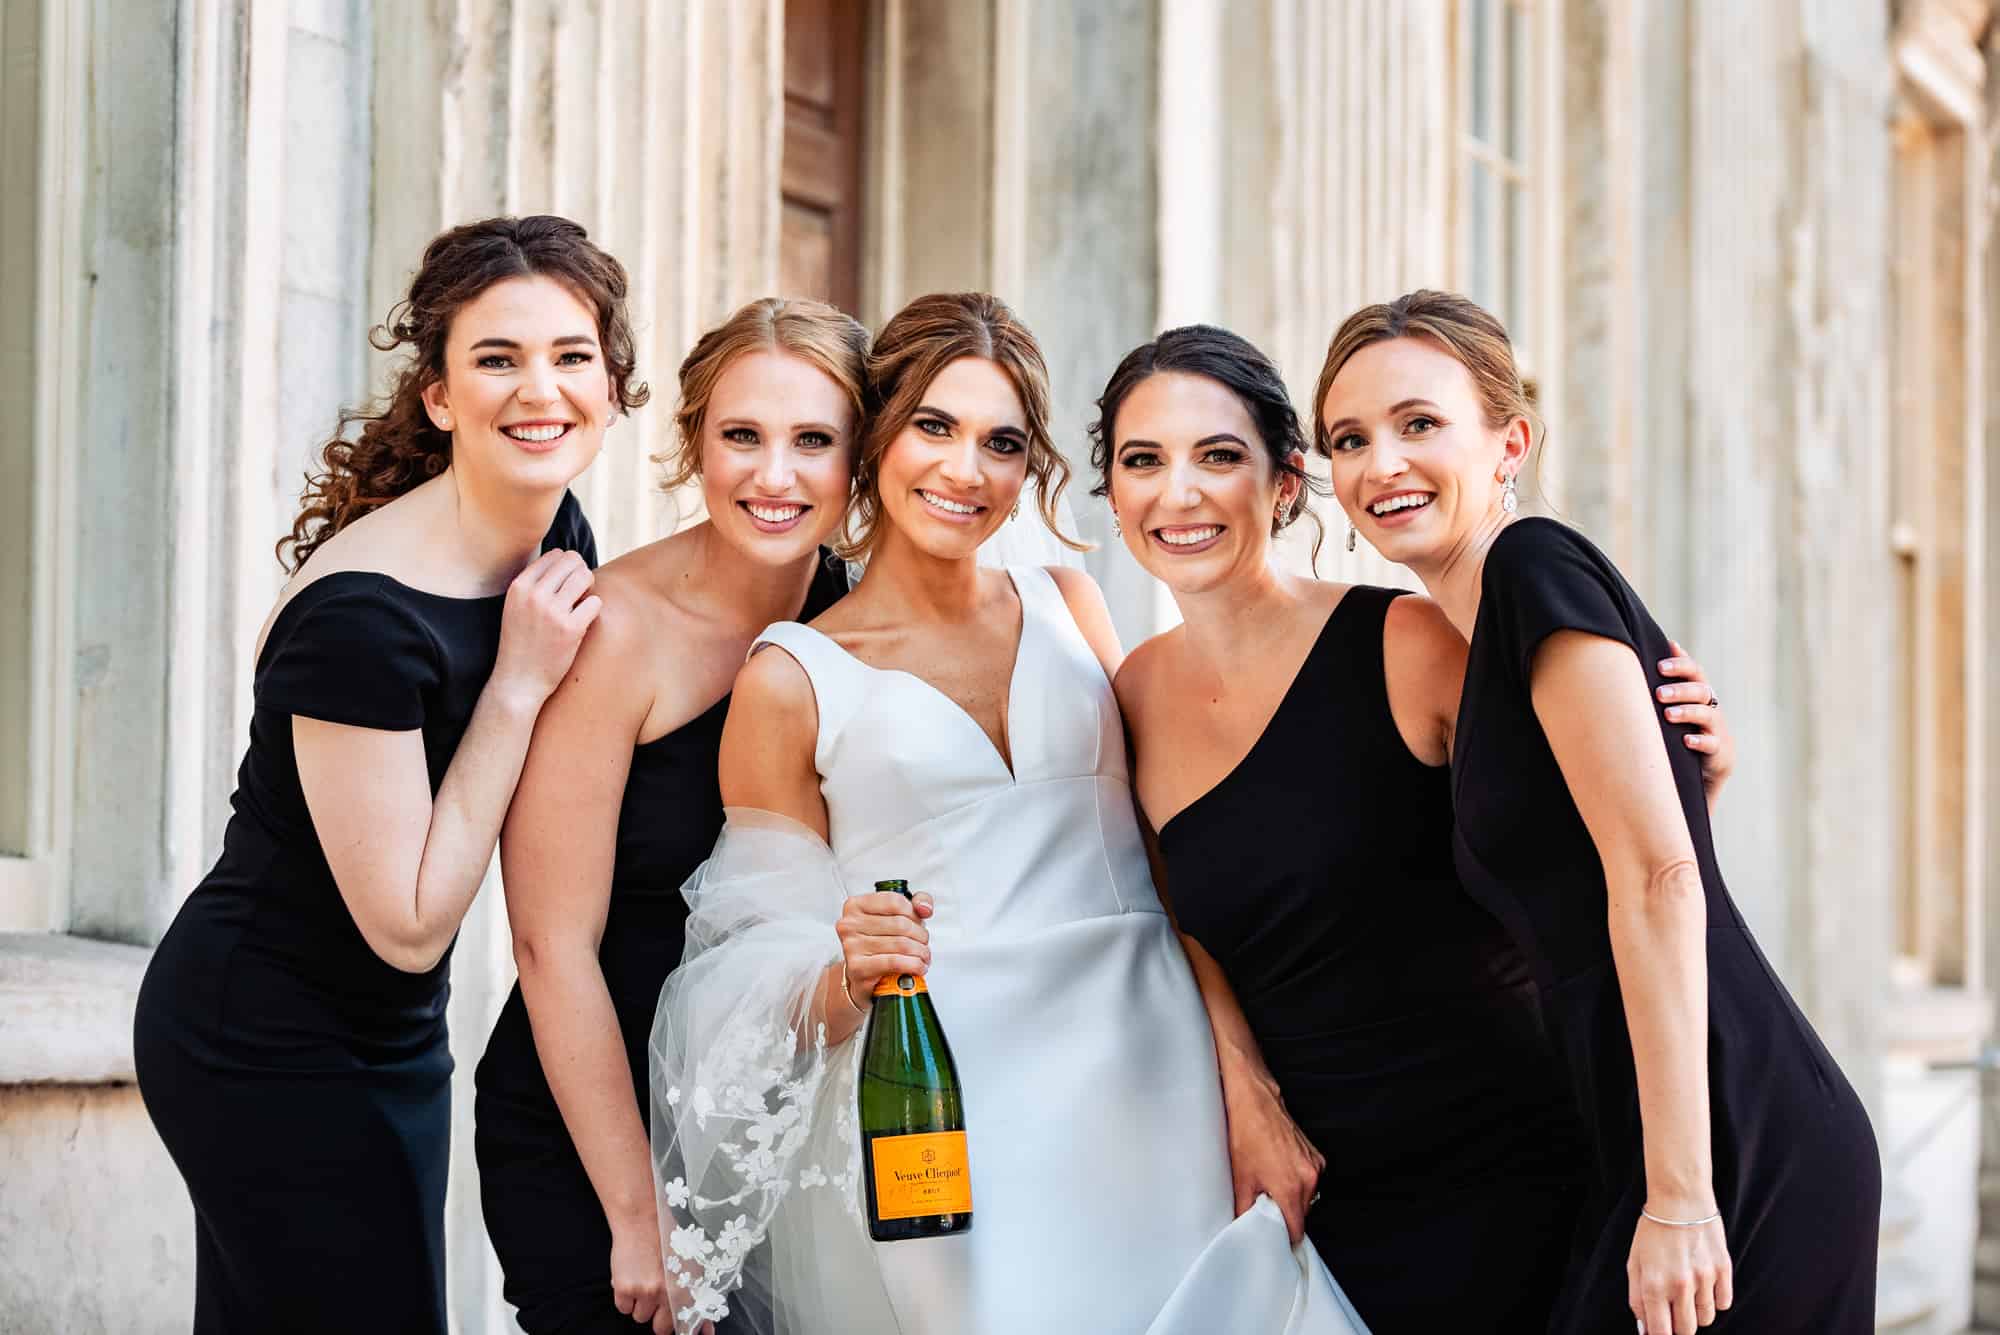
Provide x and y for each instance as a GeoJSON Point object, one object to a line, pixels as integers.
{"type": "Point", "coordinates": [1796, 1171]}
{"type": "Point", "coordinates": [300, 1082]}
{"type": "Point", "coordinates": [1398, 1018]}
{"type": "Point", "coordinates": [544, 1218]}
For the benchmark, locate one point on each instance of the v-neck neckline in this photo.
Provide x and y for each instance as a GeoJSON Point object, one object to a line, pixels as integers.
{"type": "Point", "coordinates": [1008, 760]}
{"type": "Point", "coordinates": [1277, 712]}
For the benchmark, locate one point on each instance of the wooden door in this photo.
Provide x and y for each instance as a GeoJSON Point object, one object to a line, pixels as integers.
{"type": "Point", "coordinates": [820, 235]}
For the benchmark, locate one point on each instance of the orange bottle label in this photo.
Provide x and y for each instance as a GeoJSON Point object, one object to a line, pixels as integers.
{"type": "Point", "coordinates": [900, 985]}
{"type": "Point", "coordinates": [921, 1174]}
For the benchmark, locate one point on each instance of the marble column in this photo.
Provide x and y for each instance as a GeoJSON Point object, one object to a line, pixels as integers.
{"type": "Point", "coordinates": [657, 124]}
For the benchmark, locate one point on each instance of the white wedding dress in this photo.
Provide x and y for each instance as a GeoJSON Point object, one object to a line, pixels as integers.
{"type": "Point", "coordinates": [1100, 1178]}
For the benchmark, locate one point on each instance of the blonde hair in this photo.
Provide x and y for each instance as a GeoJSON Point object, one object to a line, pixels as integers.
{"type": "Point", "coordinates": [1456, 324]}
{"type": "Point", "coordinates": [813, 331]}
{"type": "Point", "coordinates": [919, 342]}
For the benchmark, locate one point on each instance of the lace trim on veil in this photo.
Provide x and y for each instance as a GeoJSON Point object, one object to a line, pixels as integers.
{"type": "Point", "coordinates": [756, 1156]}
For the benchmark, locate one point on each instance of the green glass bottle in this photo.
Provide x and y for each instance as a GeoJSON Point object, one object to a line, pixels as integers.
{"type": "Point", "coordinates": [912, 1116]}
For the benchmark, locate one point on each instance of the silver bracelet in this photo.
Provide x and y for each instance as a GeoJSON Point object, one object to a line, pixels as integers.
{"type": "Point", "coordinates": [1680, 1223]}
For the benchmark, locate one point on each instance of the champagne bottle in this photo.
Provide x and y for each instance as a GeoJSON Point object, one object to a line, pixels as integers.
{"type": "Point", "coordinates": [912, 1117]}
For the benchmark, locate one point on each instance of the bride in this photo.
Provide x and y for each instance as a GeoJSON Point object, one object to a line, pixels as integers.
{"type": "Point", "coordinates": [952, 726]}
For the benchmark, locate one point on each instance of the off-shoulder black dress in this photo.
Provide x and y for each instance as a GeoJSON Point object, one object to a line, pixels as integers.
{"type": "Point", "coordinates": [542, 1214]}
{"type": "Point", "coordinates": [300, 1082]}
{"type": "Point", "coordinates": [1796, 1170]}
{"type": "Point", "coordinates": [1399, 1020]}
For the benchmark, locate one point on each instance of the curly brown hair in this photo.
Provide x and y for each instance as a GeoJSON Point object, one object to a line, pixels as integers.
{"type": "Point", "coordinates": [921, 340]}
{"type": "Point", "coordinates": [398, 446]}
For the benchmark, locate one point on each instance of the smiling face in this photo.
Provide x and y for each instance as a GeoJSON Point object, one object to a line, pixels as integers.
{"type": "Point", "coordinates": [954, 471]}
{"type": "Point", "coordinates": [525, 393]}
{"type": "Point", "coordinates": [1195, 491]}
{"type": "Point", "coordinates": [1415, 465]}
{"type": "Point", "coordinates": [777, 455]}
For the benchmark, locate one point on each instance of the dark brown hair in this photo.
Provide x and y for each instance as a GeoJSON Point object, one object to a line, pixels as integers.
{"type": "Point", "coordinates": [921, 340]}
{"type": "Point", "coordinates": [398, 446]}
{"type": "Point", "coordinates": [823, 335]}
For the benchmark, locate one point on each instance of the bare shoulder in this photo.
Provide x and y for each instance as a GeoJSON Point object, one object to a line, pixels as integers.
{"type": "Point", "coordinates": [1145, 669]}
{"type": "Point", "coordinates": [623, 646]}
{"type": "Point", "coordinates": [1093, 617]}
{"type": "Point", "coordinates": [1417, 630]}
{"type": "Point", "coordinates": [1423, 658]}
{"type": "Point", "coordinates": [773, 692]}
{"type": "Point", "coordinates": [769, 737]}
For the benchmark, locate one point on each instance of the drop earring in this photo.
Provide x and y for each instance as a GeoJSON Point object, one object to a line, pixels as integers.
{"type": "Point", "coordinates": [1510, 500]}
{"type": "Point", "coordinates": [1116, 527]}
{"type": "Point", "coordinates": [1350, 537]}
{"type": "Point", "coordinates": [1015, 513]}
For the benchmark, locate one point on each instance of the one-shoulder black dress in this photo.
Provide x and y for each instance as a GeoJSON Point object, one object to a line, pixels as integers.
{"type": "Point", "coordinates": [300, 1082]}
{"type": "Point", "coordinates": [546, 1223]}
{"type": "Point", "coordinates": [1796, 1171]}
{"type": "Point", "coordinates": [1398, 1018]}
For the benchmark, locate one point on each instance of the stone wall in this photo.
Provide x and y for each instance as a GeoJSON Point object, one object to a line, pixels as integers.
{"type": "Point", "coordinates": [1722, 379]}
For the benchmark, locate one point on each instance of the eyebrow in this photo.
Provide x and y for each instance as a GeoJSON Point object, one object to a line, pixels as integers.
{"type": "Point", "coordinates": [724, 423]}
{"type": "Point", "coordinates": [923, 409]}
{"type": "Point", "coordinates": [1219, 438]}
{"type": "Point", "coordinates": [566, 341]}
{"type": "Point", "coordinates": [1394, 408]}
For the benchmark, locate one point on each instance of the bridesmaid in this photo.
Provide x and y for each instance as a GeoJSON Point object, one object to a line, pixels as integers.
{"type": "Point", "coordinates": [1733, 1168]}
{"type": "Point", "coordinates": [290, 1035]}
{"type": "Point", "coordinates": [619, 803]}
{"type": "Point", "coordinates": [1352, 983]}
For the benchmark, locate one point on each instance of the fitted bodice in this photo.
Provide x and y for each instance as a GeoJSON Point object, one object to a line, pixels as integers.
{"type": "Point", "coordinates": [916, 790]}
{"type": "Point", "coordinates": [1084, 1055]}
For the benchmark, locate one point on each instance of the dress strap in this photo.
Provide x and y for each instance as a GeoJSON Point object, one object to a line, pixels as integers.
{"type": "Point", "coordinates": [1042, 598]}
{"type": "Point", "coordinates": [1357, 666]}
{"type": "Point", "coordinates": [838, 678]}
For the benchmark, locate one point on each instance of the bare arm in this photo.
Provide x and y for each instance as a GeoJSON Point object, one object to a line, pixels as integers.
{"type": "Point", "coordinates": [767, 763]}
{"type": "Point", "coordinates": [1093, 618]}
{"type": "Point", "coordinates": [1423, 660]}
{"type": "Point", "coordinates": [557, 851]}
{"type": "Point", "coordinates": [408, 865]}
{"type": "Point", "coordinates": [1592, 699]}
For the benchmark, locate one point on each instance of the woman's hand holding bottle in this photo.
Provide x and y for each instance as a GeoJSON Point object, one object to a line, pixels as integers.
{"type": "Point", "coordinates": [882, 934]}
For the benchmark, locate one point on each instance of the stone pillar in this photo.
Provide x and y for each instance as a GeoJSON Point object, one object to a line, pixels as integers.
{"type": "Point", "coordinates": [658, 126]}
{"type": "Point", "coordinates": [1328, 187]}
{"type": "Point", "coordinates": [121, 878]}
{"type": "Point", "coordinates": [1012, 151]}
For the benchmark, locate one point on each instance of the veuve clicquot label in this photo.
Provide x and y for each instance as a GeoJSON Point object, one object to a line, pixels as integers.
{"type": "Point", "coordinates": [912, 1115]}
